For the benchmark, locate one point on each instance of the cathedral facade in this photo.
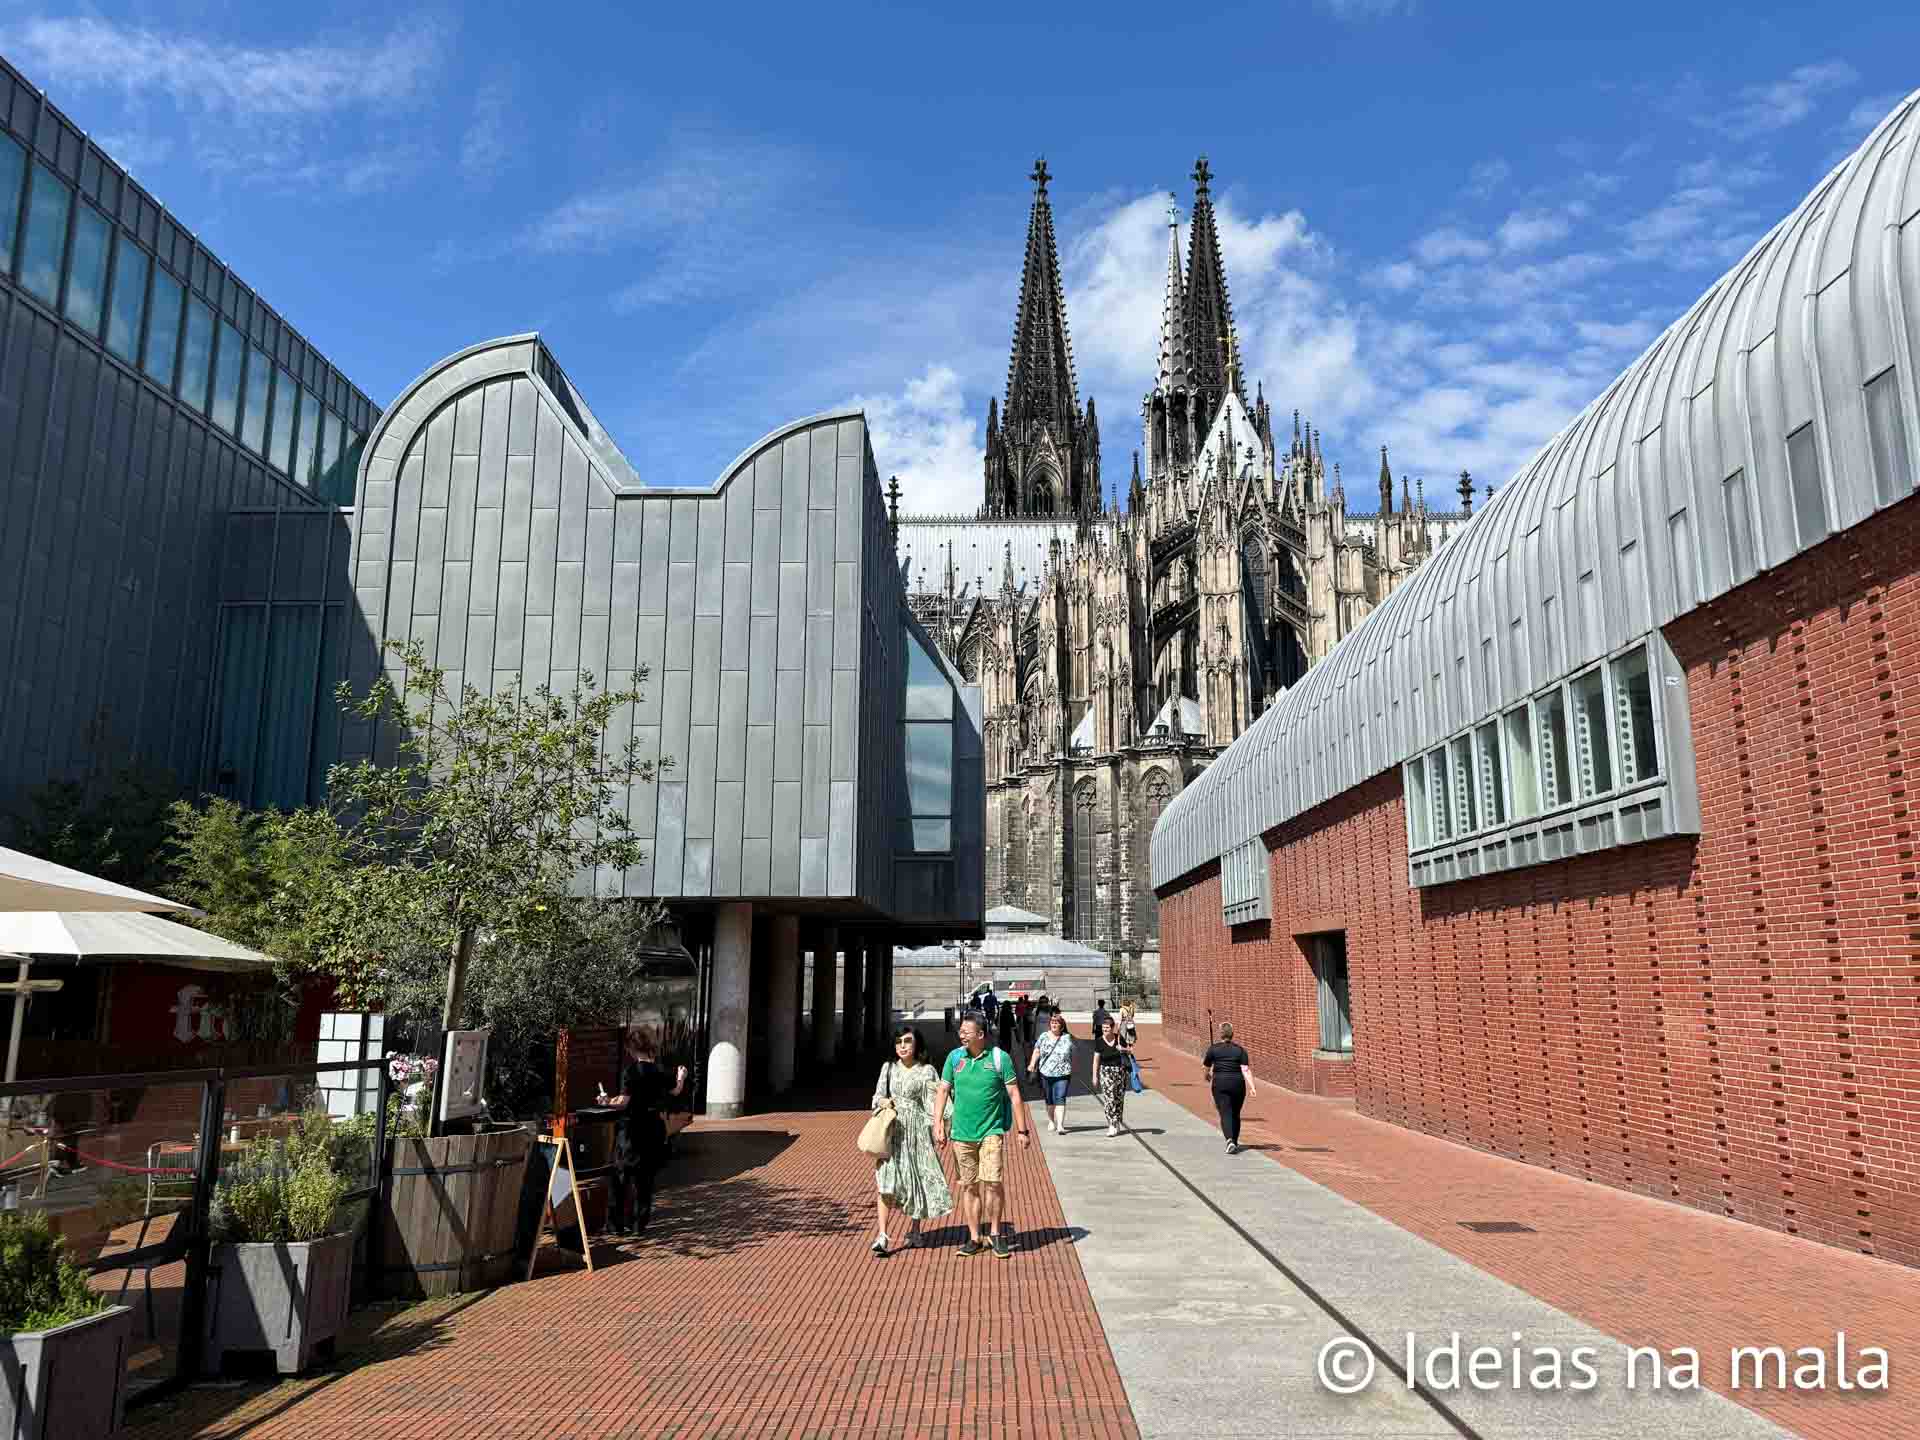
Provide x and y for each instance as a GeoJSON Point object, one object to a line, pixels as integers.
{"type": "Point", "coordinates": [1122, 644]}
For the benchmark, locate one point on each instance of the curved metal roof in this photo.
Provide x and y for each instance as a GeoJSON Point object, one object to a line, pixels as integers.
{"type": "Point", "coordinates": [1670, 489]}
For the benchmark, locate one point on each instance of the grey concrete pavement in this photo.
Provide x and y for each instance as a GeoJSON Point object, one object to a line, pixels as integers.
{"type": "Point", "coordinates": [1214, 1338]}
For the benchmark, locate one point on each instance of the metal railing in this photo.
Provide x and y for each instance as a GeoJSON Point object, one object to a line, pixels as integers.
{"type": "Point", "coordinates": [75, 1150]}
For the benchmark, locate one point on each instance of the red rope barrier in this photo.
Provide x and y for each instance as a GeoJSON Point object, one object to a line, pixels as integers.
{"type": "Point", "coordinates": [126, 1169]}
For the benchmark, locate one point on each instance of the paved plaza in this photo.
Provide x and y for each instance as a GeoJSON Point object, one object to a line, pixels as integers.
{"type": "Point", "coordinates": [1162, 1288]}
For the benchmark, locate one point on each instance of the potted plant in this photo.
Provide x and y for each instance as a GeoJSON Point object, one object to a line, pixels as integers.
{"type": "Point", "coordinates": [281, 1271]}
{"type": "Point", "coordinates": [66, 1364]}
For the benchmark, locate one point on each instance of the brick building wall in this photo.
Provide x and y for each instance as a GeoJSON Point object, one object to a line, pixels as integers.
{"type": "Point", "coordinates": [1732, 1022]}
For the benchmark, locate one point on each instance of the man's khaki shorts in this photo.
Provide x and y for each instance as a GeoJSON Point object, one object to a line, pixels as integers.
{"type": "Point", "coordinates": [979, 1160]}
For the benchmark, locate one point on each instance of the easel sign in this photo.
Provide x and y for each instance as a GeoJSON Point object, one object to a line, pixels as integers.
{"type": "Point", "coordinates": [561, 1191]}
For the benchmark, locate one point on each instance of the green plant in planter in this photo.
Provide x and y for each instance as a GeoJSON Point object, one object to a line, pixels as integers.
{"type": "Point", "coordinates": [39, 1286]}
{"type": "Point", "coordinates": [280, 1193]}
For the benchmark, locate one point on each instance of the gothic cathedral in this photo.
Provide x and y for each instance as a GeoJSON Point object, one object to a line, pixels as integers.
{"type": "Point", "coordinates": [1123, 643]}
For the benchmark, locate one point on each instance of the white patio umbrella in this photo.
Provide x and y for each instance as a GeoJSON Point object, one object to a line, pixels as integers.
{"type": "Point", "coordinates": [31, 885]}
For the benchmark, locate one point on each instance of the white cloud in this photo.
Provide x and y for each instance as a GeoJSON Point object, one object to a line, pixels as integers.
{"type": "Point", "coordinates": [1635, 334]}
{"type": "Point", "coordinates": [1529, 230]}
{"type": "Point", "coordinates": [484, 147]}
{"type": "Point", "coordinates": [139, 152]}
{"type": "Point", "coordinates": [1488, 176]}
{"type": "Point", "coordinates": [1761, 109]}
{"type": "Point", "coordinates": [924, 434]}
{"type": "Point", "coordinates": [1400, 275]}
{"type": "Point", "coordinates": [1439, 246]}
{"type": "Point", "coordinates": [1870, 112]}
{"type": "Point", "coordinates": [86, 52]}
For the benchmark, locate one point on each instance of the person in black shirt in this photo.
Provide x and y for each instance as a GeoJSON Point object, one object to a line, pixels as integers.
{"type": "Point", "coordinates": [1110, 1073]}
{"type": "Point", "coordinates": [640, 1142]}
{"type": "Point", "coordinates": [1232, 1075]}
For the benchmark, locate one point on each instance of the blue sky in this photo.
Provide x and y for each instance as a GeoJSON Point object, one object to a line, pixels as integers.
{"type": "Point", "coordinates": [1447, 225]}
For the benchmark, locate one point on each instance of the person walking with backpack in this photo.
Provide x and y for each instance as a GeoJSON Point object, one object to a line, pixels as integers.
{"type": "Point", "coordinates": [1052, 1060]}
{"type": "Point", "coordinates": [1231, 1073]}
{"type": "Point", "coordinates": [985, 1091]}
{"type": "Point", "coordinates": [909, 1179]}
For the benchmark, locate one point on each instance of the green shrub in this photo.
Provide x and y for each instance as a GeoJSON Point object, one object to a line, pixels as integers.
{"type": "Point", "coordinates": [288, 1191]}
{"type": "Point", "coordinates": [39, 1287]}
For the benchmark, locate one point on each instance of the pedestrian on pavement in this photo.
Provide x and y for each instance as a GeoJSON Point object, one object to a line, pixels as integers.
{"type": "Point", "coordinates": [1052, 1061]}
{"type": "Point", "coordinates": [1231, 1074]}
{"type": "Point", "coordinates": [1100, 1016]}
{"type": "Point", "coordinates": [985, 1091]}
{"type": "Point", "coordinates": [1023, 1016]}
{"type": "Point", "coordinates": [1111, 1071]}
{"type": "Point", "coordinates": [640, 1141]}
{"type": "Point", "coordinates": [1127, 1030]}
{"type": "Point", "coordinates": [909, 1179]}
{"type": "Point", "coordinates": [1006, 1026]}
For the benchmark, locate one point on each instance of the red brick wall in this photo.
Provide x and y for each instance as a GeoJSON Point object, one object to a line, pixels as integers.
{"type": "Point", "coordinates": [1732, 1022]}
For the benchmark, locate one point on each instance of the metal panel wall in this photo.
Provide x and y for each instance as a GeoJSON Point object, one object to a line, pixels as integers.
{"type": "Point", "coordinates": [758, 609]}
{"type": "Point", "coordinates": [1781, 408]}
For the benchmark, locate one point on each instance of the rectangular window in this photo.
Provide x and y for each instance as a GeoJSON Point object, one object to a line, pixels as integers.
{"type": "Point", "coordinates": [281, 451]}
{"type": "Point", "coordinates": [1418, 818]}
{"type": "Point", "coordinates": [163, 329]}
{"type": "Point", "coordinates": [929, 750]}
{"type": "Point", "coordinates": [350, 464]}
{"type": "Point", "coordinates": [226, 378]}
{"type": "Point", "coordinates": [1493, 787]}
{"type": "Point", "coordinates": [1809, 494]}
{"type": "Point", "coordinates": [253, 418]}
{"type": "Point", "coordinates": [45, 246]}
{"type": "Point", "coordinates": [309, 438]}
{"type": "Point", "coordinates": [1521, 764]}
{"type": "Point", "coordinates": [1336, 1007]}
{"type": "Point", "coordinates": [1550, 730]}
{"type": "Point", "coordinates": [87, 276]}
{"type": "Point", "coordinates": [1892, 471]}
{"type": "Point", "coordinates": [328, 486]}
{"type": "Point", "coordinates": [1594, 751]}
{"type": "Point", "coordinates": [1739, 525]}
{"type": "Point", "coordinates": [1440, 784]}
{"type": "Point", "coordinates": [196, 354]}
{"type": "Point", "coordinates": [129, 300]}
{"type": "Point", "coordinates": [1466, 810]}
{"type": "Point", "coordinates": [13, 170]}
{"type": "Point", "coordinates": [1634, 729]}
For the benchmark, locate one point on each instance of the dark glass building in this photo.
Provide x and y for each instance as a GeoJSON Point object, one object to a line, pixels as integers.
{"type": "Point", "coordinates": [146, 394]}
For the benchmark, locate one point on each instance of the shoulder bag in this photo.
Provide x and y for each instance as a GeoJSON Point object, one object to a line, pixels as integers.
{"type": "Point", "coordinates": [876, 1136]}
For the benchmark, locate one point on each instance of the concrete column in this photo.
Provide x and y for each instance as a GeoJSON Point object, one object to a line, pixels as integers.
{"type": "Point", "coordinates": [853, 1003]}
{"type": "Point", "coordinates": [783, 1013]}
{"type": "Point", "coordinates": [732, 984]}
{"type": "Point", "coordinates": [826, 945]}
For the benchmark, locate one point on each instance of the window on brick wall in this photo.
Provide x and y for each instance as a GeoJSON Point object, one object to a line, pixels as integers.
{"type": "Point", "coordinates": [1634, 729]}
{"type": "Point", "coordinates": [1420, 823]}
{"type": "Point", "coordinates": [1466, 810]}
{"type": "Point", "coordinates": [1522, 767]}
{"type": "Point", "coordinates": [1550, 735]}
{"type": "Point", "coordinates": [1440, 786]}
{"type": "Point", "coordinates": [1335, 1000]}
{"type": "Point", "coordinates": [1593, 749]}
{"type": "Point", "coordinates": [1493, 793]}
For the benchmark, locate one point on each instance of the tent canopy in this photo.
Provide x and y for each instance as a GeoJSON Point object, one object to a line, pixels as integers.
{"type": "Point", "coordinates": [29, 883]}
{"type": "Point", "coordinates": [89, 935]}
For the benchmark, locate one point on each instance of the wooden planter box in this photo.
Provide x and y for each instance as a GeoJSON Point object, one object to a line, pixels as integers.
{"type": "Point", "coordinates": [448, 1213]}
{"type": "Point", "coordinates": [290, 1299]}
{"type": "Point", "coordinates": [66, 1382]}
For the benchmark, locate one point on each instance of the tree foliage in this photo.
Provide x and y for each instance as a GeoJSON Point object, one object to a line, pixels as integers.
{"type": "Point", "coordinates": [116, 830]}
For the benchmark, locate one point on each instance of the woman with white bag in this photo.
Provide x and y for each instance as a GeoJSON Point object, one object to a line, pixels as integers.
{"type": "Point", "coordinates": [908, 1175]}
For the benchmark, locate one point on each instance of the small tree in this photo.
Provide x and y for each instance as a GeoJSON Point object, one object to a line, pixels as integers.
{"type": "Point", "coordinates": [491, 811]}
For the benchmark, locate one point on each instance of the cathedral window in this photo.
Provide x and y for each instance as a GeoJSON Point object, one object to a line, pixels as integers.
{"type": "Point", "coordinates": [928, 713]}
{"type": "Point", "coordinates": [1085, 924]}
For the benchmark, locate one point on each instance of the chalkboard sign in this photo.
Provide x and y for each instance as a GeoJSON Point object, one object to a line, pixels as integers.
{"type": "Point", "coordinates": [556, 1198]}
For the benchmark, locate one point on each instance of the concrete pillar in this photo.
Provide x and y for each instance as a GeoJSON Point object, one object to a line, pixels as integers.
{"type": "Point", "coordinates": [826, 945]}
{"type": "Point", "coordinates": [853, 1003]}
{"type": "Point", "coordinates": [783, 1011]}
{"type": "Point", "coordinates": [732, 986]}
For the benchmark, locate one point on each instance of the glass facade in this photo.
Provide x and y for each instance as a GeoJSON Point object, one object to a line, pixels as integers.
{"type": "Point", "coordinates": [280, 449]}
{"type": "Point", "coordinates": [226, 378]}
{"type": "Point", "coordinates": [253, 414]}
{"type": "Point", "coordinates": [163, 329]}
{"type": "Point", "coordinates": [129, 301]}
{"type": "Point", "coordinates": [41, 250]}
{"type": "Point", "coordinates": [87, 277]}
{"type": "Point", "coordinates": [196, 354]}
{"type": "Point", "coordinates": [929, 751]}
{"type": "Point", "coordinates": [309, 438]}
{"type": "Point", "coordinates": [13, 171]}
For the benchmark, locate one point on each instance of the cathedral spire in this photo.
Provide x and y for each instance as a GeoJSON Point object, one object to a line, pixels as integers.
{"type": "Point", "coordinates": [1209, 314]}
{"type": "Point", "coordinates": [1174, 342]}
{"type": "Point", "coordinates": [1386, 485]}
{"type": "Point", "coordinates": [1044, 464]}
{"type": "Point", "coordinates": [1136, 496]}
{"type": "Point", "coordinates": [1466, 492]}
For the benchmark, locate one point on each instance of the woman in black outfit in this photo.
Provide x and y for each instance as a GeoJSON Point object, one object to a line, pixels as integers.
{"type": "Point", "coordinates": [640, 1143]}
{"type": "Point", "coordinates": [1232, 1075]}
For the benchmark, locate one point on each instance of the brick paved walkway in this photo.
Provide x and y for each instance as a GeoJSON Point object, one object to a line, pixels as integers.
{"type": "Point", "coordinates": [1649, 1272]}
{"type": "Point", "coordinates": [752, 1310]}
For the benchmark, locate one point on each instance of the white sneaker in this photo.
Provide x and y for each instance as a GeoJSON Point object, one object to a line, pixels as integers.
{"type": "Point", "coordinates": [1113, 1130]}
{"type": "Point", "coordinates": [880, 1243]}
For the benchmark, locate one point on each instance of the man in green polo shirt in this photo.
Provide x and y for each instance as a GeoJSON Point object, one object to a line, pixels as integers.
{"type": "Point", "coordinates": [985, 1088]}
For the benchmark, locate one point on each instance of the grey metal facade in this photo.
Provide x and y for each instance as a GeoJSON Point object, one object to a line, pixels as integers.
{"type": "Point", "coordinates": [1779, 410]}
{"type": "Point", "coordinates": [500, 527]}
{"type": "Point", "coordinates": [145, 393]}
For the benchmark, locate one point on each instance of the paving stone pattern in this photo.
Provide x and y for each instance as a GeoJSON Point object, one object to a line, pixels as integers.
{"type": "Point", "coordinates": [753, 1309]}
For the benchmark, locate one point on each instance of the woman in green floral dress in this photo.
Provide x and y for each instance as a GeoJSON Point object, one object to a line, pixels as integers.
{"type": "Point", "coordinates": [911, 1180]}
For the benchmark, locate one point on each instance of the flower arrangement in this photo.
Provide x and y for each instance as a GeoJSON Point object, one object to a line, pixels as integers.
{"type": "Point", "coordinates": [411, 1108]}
